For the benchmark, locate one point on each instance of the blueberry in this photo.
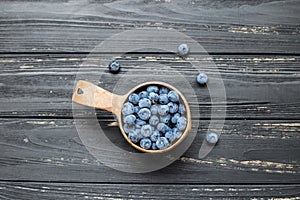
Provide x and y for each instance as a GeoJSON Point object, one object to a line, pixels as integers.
{"type": "Point", "coordinates": [140, 122]}
{"type": "Point", "coordinates": [145, 143]}
{"type": "Point", "coordinates": [127, 128]}
{"type": "Point", "coordinates": [170, 136]}
{"type": "Point", "coordinates": [177, 133]}
{"type": "Point", "coordinates": [129, 119]}
{"type": "Point", "coordinates": [154, 120]}
{"type": "Point", "coordinates": [162, 143]}
{"type": "Point", "coordinates": [114, 66]}
{"type": "Point", "coordinates": [146, 130]}
{"type": "Point", "coordinates": [162, 127]}
{"type": "Point", "coordinates": [173, 96]}
{"type": "Point", "coordinates": [165, 119]}
{"type": "Point", "coordinates": [134, 98]}
{"type": "Point", "coordinates": [212, 138]}
{"type": "Point", "coordinates": [175, 118]}
{"type": "Point", "coordinates": [136, 109]}
{"type": "Point", "coordinates": [163, 99]}
{"type": "Point", "coordinates": [127, 108]}
{"type": "Point", "coordinates": [202, 78]}
{"type": "Point", "coordinates": [133, 137]}
{"type": "Point", "coordinates": [155, 136]}
{"type": "Point", "coordinates": [153, 96]}
{"type": "Point", "coordinates": [144, 114]}
{"type": "Point", "coordinates": [144, 103]}
{"type": "Point", "coordinates": [153, 147]}
{"type": "Point", "coordinates": [181, 123]}
{"type": "Point", "coordinates": [181, 109]}
{"type": "Point", "coordinates": [163, 110]}
{"type": "Point", "coordinates": [173, 107]}
{"type": "Point", "coordinates": [163, 90]}
{"type": "Point", "coordinates": [143, 94]}
{"type": "Point", "coordinates": [183, 50]}
{"type": "Point", "coordinates": [152, 88]}
{"type": "Point", "coordinates": [154, 109]}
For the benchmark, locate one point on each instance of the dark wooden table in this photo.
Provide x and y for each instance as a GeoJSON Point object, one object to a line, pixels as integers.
{"type": "Point", "coordinates": [255, 45]}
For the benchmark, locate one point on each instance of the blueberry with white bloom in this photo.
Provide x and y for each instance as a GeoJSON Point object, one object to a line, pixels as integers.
{"type": "Point", "coordinates": [183, 50]}
{"type": "Point", "coordinates": [133, 136]}
{"type": "Point", "coordinates": [146, 130]}
{"type": "Point", "coordinates": [175, 118]}
{"type": "Point", "coordinates": [173, 107]}
{"type": "Point", "coordinates": [127, 128]}
{"type": "Point", "coordinates": [154, 109]}
{"type": "Point", "coordinates": [163, 110]}
{"type": "Point", "coordinates": [163, 99]}
{"type": "Point", "coordinates": [170, 136]}
{"type": "Point", "coordinates": [127, 108]}
{"type": "Point", "coordinates": [136, 109]}
{"type": "Point", "coordinates": [134, 98]}
{"type": "Point", "coordinates": [143, 94]}
{"type": "Point", "coordinates": [181, 109]}
{"type": "Point", "coordinates": [129, 119]}
{"type": "Point", "coordinates": [202, 78]}
{"type": "Point", "coordinates": [140, 122]}
{"type": "Point", "coordinates": [212, 138]}
{"type": "Point", "coordinates": [162, 143]}
{"type": "Point", "coordinates": [181, 123]}
{"type": "Point", "coordinates": [152, 88]}
{"type": "Point", "coordinates": [155, 135]}
{"type": "Point", "coordinates": [145, 143]}
{"type": "Point", "coordinates": [173, 96]}
{"type": "Point", "coordinates": [154, 120]}
{"type": "Point", "coordinates": [163, 90]}
{"type": "Point", "coordinates": [165, 119]}
{"type": "Point", "coordinates": [144, 114]}
{"type": "Point", "coordinates": [114, 66]}
{"type": "Point", "coordinates": [144, 103]}
{"type": "Point", "coordinates": [153, 147]}
{"type": "Point", "coordinates": [162, 127]}
{"type": "Point", "coordinates": [153, 96]}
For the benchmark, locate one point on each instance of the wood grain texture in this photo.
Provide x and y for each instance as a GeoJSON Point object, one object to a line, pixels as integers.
{"type": "Point", "coordinates": [249, 151]}
{"type": "Point", "coordinates": [33, 190]}
{"type": "Point", "coordinates": [257, 87]}
{"type": "Point", "coordinates": [260, 26]}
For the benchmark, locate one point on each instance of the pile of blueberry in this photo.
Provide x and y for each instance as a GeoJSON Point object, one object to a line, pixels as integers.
{"type": "Point", "coordinates": [154, 118]}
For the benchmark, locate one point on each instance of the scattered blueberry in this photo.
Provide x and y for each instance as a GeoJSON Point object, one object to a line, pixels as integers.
{"type": "Point", "coordinates": [181, 109]}
{"type": "Point", "coordinates": [154, 109]}
{"type": "Point", "coordinates": [114, 66]}
{"type": "Point", "coordinates": [129, 119]}
{"type": "Point", "coordinates": [146, 130]}
{"type": "Point", "coordinates": [144, 103]}
{"type": "Point", "coordinates": [163, 99]}
{"type": "Point", "coordinates": [155, 136]}
{"type": "Point", "coordinates": [173, 96]}
{"type": "Point", "coordinates": [173, 107]}
{"type": "Point", "coordinates": [162, 143]}
{"type": "Point", "coordinates": [127, 108]}
{"type": "Point", "coordinates": [202, 78]}
{"type": "Point", "coordinates": [175, 118]}
{"type": "Point", "coordinates": [163, 90]}
{"type": "Point", "coordinates": [152, 88]}
{"type": "Point", "coordinates": [183, 50]}
{"type": "Point", "coordinates": [145, 143]}
{"type": "Point", "coordinates": [134, 98]}
{"type": "Point", "coordinates": [163, 110]}
{"type": "Point", "coordinates": [165, 119]}
{"type": "Point", "coordinates": [144, 114]}
{"type": "Point", "coordinates": [212, 138]}
{"type": "Point", "coordinates": [181, 123]}
{"type": "Point", "coordinates": [154, 120]}
{"type": "Point", "coordinates": [153, 96]}
{"type": "Point", "coordinates": [143, 94]}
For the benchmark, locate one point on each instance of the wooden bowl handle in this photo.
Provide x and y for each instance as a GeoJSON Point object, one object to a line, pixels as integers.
{"type": "Point", "coordinates": [88, 94]}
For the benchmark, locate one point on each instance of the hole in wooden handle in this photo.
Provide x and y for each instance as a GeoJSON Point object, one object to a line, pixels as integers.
{"type": "Point", "coordinates": [80, 91]}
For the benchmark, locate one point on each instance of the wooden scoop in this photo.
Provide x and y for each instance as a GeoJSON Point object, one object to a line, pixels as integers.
{"type": "Point", "coordinates": [88, 94]}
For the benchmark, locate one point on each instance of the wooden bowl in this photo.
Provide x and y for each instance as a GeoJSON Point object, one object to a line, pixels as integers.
{"type": "Point", "coordinates": [88, 94]}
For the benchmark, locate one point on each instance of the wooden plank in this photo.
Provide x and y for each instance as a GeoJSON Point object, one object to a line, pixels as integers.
{"type": "Point", "coordinates": [220, 26]}
{"type": "Point", "coordinates": [249, 151]}
{"type": "Point", "coordinates": [34, 190]}
{"type": "Point", "coordinates": [257, 87]}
